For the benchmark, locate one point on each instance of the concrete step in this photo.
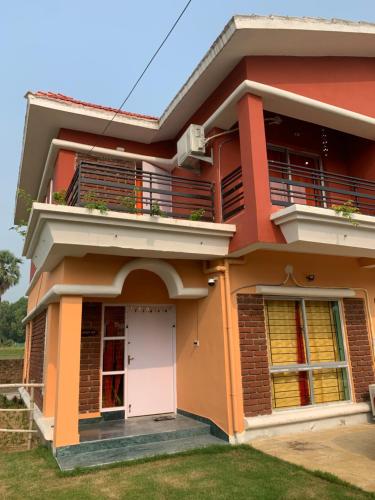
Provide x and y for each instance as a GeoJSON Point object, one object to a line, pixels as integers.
{"type": "Point", "coordinates": [196, 429]}
{"type": "Point", "coordinates": [133, 451]}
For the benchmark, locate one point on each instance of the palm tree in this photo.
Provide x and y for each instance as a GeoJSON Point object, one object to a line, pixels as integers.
{"type": "Point", "coordinates": [9, 271]}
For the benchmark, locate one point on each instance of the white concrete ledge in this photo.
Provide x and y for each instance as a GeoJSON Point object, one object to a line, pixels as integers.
{"type": "Point", "coordinates": [301, 291]}
{"type": "Point", "coordinates": [321, 230]}
{"type": "Point", "coordinates": [57, 231]}
{"type": "Point", "coordinates": [305, 419]}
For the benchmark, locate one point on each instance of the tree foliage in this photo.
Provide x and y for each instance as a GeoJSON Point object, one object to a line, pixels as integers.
{"type": "Point", "coordinates": [9, 271]}
{"type": "Point", "coordinates": [11, 316]}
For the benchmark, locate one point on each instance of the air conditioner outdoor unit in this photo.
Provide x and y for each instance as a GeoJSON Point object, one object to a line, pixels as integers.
{"type": "Point", "coordinates": [191, 147]}
{"type": "Point", "coordinates": [372, 398]}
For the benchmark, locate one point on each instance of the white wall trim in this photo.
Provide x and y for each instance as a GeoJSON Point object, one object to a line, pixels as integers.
{"type": "Point", "coordinates": [164, 270]}
{"type": "Point", "coordinates": [299, 291]}
{"type": "Point", "coordinates": [320, 112]}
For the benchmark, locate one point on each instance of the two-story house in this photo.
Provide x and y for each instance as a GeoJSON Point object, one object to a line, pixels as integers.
{"type": "Point", "coordinates": [216, 262]}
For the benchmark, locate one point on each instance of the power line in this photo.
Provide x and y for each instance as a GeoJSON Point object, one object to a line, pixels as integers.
{"type": "Point", "coordinates": [145, 69]}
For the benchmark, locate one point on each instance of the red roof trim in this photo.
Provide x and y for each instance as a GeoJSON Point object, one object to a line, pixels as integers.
{"type": "Point", "coordinates": [64, 98]}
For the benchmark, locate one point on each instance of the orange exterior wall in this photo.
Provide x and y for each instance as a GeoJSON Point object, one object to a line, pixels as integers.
{"type": "Point", "coordinates": [64, 170]}
{"type": "Point", "coordinates": [164, 149]}
{"type": "Point", "coordinates": [346, 82]}
{"type": "Point", "coordinates": [202, 373]}
{"type": "Point", "coordinates": [44, 282]}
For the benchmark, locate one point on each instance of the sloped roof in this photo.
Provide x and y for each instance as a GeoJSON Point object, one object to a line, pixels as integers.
{"type": "Point", "coordinates": [61, 97]}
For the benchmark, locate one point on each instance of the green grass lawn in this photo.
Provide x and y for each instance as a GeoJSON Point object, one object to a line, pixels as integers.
{"type": "Point", "coordinates": [11, 352]}
{"type": "Point", "coordinates": [214, 473]}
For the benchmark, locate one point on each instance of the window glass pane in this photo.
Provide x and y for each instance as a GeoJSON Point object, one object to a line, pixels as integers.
{"type": "Point", "coordinates": [113, 391]}
{"type": "Point", "coordinates": [114, 321]}
{"type": "Point", "coordinates": [113, 355]}
{"type": "Point", "coordinates": [275, 154]}
{"type": "Point", "coordinates": [290, 389]}
{"type": "Point", "coordinates": [285, 330]}
{"type": "Point", "coordinates": [324, 334]}
{"type": "Point", "coordinates": [330, 385]}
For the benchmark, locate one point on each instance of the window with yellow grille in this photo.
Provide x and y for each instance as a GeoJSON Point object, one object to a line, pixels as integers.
{"type": "Point", "coordinates": [306, 350]}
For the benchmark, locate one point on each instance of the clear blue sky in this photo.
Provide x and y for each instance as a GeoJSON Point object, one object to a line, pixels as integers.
{"type": "Point", "coordinates": [94, 50]}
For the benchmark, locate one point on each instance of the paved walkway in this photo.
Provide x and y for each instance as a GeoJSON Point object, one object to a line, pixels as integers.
{"type": "Point", "coordinates": [347, 452]}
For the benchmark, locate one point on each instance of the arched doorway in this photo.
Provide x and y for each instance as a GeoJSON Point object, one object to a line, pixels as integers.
{"type": "Point", "coordinates": [138, 349]}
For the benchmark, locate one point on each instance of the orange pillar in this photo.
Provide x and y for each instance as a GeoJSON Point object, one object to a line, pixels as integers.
{"type": "Point", "coordinates": [68, 368]}
{"type": "Point", "coordinates": [255, 168]}
{"type": "Point", "coordinates": [50, 360]}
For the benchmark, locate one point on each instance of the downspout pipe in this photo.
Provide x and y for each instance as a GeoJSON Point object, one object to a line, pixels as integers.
{"type": "Point", "coordinates": [224, 269]}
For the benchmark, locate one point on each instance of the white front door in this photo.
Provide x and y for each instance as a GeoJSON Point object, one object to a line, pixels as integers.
{"type": "Point", "coordinates": [150, 360]}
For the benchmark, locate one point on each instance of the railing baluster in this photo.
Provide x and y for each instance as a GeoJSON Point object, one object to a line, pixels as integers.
{"type": "Point", "coordinates": [320, 188]}
{"type": "Point", "coordinates": [29, 431]}
{"type": "Point", "coordinates": [177, 195]}
{"type": "Point", "coordinates": [31, 418]}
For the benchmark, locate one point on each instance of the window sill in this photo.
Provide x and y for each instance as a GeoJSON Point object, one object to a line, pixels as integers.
{"type": "Point", "coordinates": [301, 415]}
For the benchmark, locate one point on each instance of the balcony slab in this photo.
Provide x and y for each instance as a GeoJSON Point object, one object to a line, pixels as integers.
{"type": "Point", "coordinates": [321, 230]}
{"type": "Point", "coordinates": [57, 231]}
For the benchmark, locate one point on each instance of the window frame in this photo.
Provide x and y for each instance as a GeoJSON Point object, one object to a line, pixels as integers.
{"type": "Point", "coordinates": [288, 151]}
{"type": "Point", "coordinates": [310, 367]}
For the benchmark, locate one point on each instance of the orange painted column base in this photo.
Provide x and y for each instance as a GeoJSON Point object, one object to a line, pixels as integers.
{"type": "Point", "coordinates": [68, 371]}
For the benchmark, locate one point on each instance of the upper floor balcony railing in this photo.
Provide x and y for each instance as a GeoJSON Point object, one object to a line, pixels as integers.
{"type": "Point", "coordinates": [295, 184]}
{"type": "Point", "coordinates": [137, 191]}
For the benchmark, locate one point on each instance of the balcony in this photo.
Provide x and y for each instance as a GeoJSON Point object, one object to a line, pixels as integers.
{"type": "Point", "coordinates": [295, 184]}
{"type": "Point", "coordinates": [131, 190]}
{"type": "Point", "coordinates": [146, 214]}
{"type": "Point", "coordinates": [309, 221]}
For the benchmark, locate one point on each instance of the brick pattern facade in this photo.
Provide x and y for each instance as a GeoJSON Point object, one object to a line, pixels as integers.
{"type": "Point", "coordinates": [104, 160]}
{"type": "Point", "coordinates": [361, 361]}
{"type": "Point", "coordinates": [256, 381]}
{"type": "Point", "coordinates": [90, 358]}
{"type": "Point", "coordinates": [36, 364]}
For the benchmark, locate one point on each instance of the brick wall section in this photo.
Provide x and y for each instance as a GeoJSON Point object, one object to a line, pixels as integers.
{"type": "Point", "coordinates": [90, 358]}
{"type": "Point", "coordinates": [359, 348]}
{"type": "Point", "coordinates": [36, 365]}
{"type": "Point", "coordinates": [11, 371]}
{"type": "Point", "coordinates": [256, 382]}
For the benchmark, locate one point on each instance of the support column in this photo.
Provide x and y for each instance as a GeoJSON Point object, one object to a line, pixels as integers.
{"type": "Point", "coordinates": [255, 168]}
{"type": "Point", "coordinates": [68, 370]}
{"type": "Point", "coordinates": [50, 360]}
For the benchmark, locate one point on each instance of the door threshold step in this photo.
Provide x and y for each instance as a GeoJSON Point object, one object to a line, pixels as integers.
{"type": "Point", "coordinates": [135, 452]}
{"type": "Point", "coordinates": [96, 445]}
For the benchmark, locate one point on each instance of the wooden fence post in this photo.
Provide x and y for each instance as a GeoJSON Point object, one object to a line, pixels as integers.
{"type": "Point", "coordinates": [31, 415]}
